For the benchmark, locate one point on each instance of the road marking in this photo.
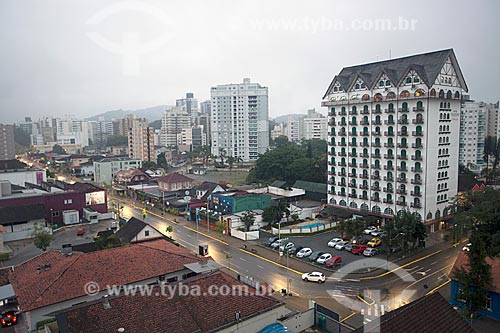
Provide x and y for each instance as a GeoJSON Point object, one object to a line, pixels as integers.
{"type": "Point", "coordinates": [204, 234]}
{"type": "Point", "coordinates": [189, 235]}
{"type": "Point", "coordinates": [433, 263]}
{"type": "Point", "coordinates": [347, 317]}
{"type": "Point", "coordinates": [243, 260]}
{"type": "Point", "coordinates": [183, 241]}
{"type": "Point", "coordinates": [272, 262]}
{"type": "Point", "coordinates": [440, 286]}
{"type": "Point", "coordinates": [260, 267]}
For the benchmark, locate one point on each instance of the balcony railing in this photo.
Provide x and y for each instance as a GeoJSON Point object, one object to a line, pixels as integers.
{"type": "Point", "coordinates": [364, 197]}
{"type": "Point", "coordinates": [389, 145]}
{"type": "Point", "coordinates": [342, 164]}
{"type": "Point", "coordinates": [341, 184]}
{"type": "Point", "coordinates": [388, 189]}
{"type": "Point", "coordinates": [388, 167]}
{"type": "Point", "coordinates": [402, 180]}
{"type": "Point", "coordinates": [388, 179]}
{"type": "Point", "coordinates": [352, 165]}
{"type": "Point", "coordinates": [352, 195]}
{"type": "Point", "coordinates": [363, 176]}
{"type": "Point", "coordinates": [389, 122]}
{"type": "Point", "coordinates": [364, 111]}
{"type": "Point", "coordinates": [342, 153]}
{"type": "Point", "coordinates": [375, 177]}
{"type": "Point", "coordinates": [342, 123]}
{"type": "Point", "coordinates": [376, 155]}
{"type": "Point", "coordinates": [352, 185]}
{"type": "Point", "coordinates": [351, 154]}
{"type": "Point", "coordinates": [341, 144]}
{"type": "Point", "coordinates": [417, 133]}
{"type": "Point", "coordinates": [364, 133]}
{"type": "Point", "coordinates": [416, 181]}
{"type": "Point", "coordinates": [417, 121]}
{"type": "Point", "coordinates": [403, 133]}
{"type": "Point", "coordinates": [413, 169]}
{"type": "Point", "coordinates": [376, 133]}
{"type": "Point", "coordinates": [332, 173]}
{"type": "Point", "coordinates": [403, 121]}
{"type": "Point", "coordinates": [416, 205]}
{"type": "Point", "coordinates": [401, 203]}
{"type": "Point", "coordinates": [342, 133]}
{"type": "Point", "coordinates": [353, 144]}
{"type": "Point", "coordinates": [402, 157]}
{"type": "Point", "coordinates": [389, 110]}
{"type": "Point", "coordinates": [388, 201]}
{"type": "Point", "coordinates": [402, 168]}
{"type": "Point", "coordinates": [376, 144]}
{"type": "Point", "coordinates": [331, 144]}
{"type": "Point", "coordinates": [364, 166]}
{"type": "Point", "coordinates": [364, 155]}
{"type": "Point", "coordinates": [403, 110]}
{"type": "Point", "coordinates": [332, 163]}
{"type": "Point", "coordinates": [376, 166]}
{"type": "Point", "coordinates": [416, 158]}
{"type": "Point", "coordinates": [353, 123]}
{"type": "Point", "coordinates": [418, 109]}
{"type": "Point", "coordinates": [374, 122]}
{"type": "Point", "coordinates": [376, 199]}
{"type": "Point", "coordinates": [363, 187]}
{"type": "Point", "coordinates": [402, 145]}
{"type": "Point", "coordinates": [401, 191]}
{"type": "Point", "coordinates": [414, 145]}
{"type": "Point", "coordinates": [379, 111]}
{"type": "Point", "coordinates": [363, 122]}
{"type": "Point", "coordinates": [389, 156]}
{"type": "Point", "coordinates": [387, 133]}
{"type": "Point", "coordinates": [342, 194]}
{"type": "Point", "coordinates": [416, 194]}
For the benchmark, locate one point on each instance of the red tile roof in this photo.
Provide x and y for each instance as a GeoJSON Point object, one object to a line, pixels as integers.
{"type": "Point", "coordinates": [67, 276]}
{"type": "Point", "coordinates": [177, 314]}
{"type": "Point", "coordinates": [463, 261]}
{"type": "Point", "coordinates": [174, 178]}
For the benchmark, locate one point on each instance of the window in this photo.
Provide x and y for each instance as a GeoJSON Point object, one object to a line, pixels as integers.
{"type": "Point", "coordinates": [68, 201]}
{"type": "Point", "coordinates": [488, 303]}
{"type": "Point", "coordinates": [146, 233]}
{"type": "Point", "coordinates": [55, 213]}
{"type": "Point", "coordinates": [172, 279]}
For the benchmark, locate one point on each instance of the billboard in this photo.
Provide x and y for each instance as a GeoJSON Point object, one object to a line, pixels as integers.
{"type": "Point", "coordinates": [95, 198]}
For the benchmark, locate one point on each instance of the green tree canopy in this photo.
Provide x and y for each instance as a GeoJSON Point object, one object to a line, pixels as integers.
{"type": "Point", "coordinates": [116, 140]}
{"type": "Point", "coordinates": [41, 237]}
{"type": "Point", "coordinates": [57, 149]}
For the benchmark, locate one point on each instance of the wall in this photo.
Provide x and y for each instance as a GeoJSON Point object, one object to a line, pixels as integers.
{"type": "Point", "coordinates": [153, 233]}
{"type": "Point", "coordinates": [20, 177]}
{"type": "Point", "coordinates": [250, 235]}
{"type": "Point", "coordinates": [245, 203]}
{"type": "Point", "coordinates": [284, 231]}
{"type": "Point", "coordinates": [21, 231]}
{"type": "Point", "coordinates": [257, 323]}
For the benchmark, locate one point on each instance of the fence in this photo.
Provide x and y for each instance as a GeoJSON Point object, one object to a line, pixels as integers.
{"type": "Point", "coordinates": [249, 235]}
{"type": "Point", "coordinates": [304, 229]}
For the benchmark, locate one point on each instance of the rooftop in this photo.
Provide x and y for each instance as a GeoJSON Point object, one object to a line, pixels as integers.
{"type": "Point", "coordinates": [67, 276]}
{"type": "Point", "coordinates": [174, 177]}
{"type": "Point", "coordinates": [177, 314]}
{"type": "Point", "coordinates": [131, 229]}
{"type": "Point", "coordinates": [468, 182]}
{"type": "Point", "coordinates": [463, 261]}
{"type": "Point", "coordinates": [13, 214]}
{"type": "Point", "coordinates": [311, 187]}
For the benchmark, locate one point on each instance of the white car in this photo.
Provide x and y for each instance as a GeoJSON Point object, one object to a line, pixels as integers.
{"type": "Point", "coordinates": [341, 245]}
{"type": "Point", "coordinates": [278, 243]}
{"type": "Point", "coordinates": [324, 257]}
{"type": "Point", "coordinates": [378, 233]}
{"type": "Point", "coordinates": [314, 276]}
{"type": "Point", "coordinates": [370, 252]}
{"type": "Point", "coordinates": [305, 252]}
{"type": "Point", "coordinates": [286, 247]}
{"type": "Point", "coordinates": [466, 247]}
{"type": "Point", "coordinates": [369, 230]}
{"type": "Point", "coordinates": [334, 241]}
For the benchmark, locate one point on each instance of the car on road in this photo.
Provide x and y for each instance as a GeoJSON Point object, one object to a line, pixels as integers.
{"type": "Point", "coordinates": [324, 257]}
{"type": "Point", "coordinates": [271, 240]}
{"type": "Point", "coordinates": [334, 261]}
{"type": "Point", "coordinates": [278, 243]}
{"type": "Point", "coordinates": [341, 245]}
{"type": "Point", "coordinates": [305, 252]}
{"type": "Point", "coordinates": [80, 232]}
{"type": "Point", "coordinates": [348, 247]}
{"type": "Point", "coordinates": [374, 242]}
{"type": "Point", "coordinates": [378, 233]}
{"type": "Point", "coordinates": [358, 248]}
{"type": "Point", "coordinates": [370, 252]}
{"type": "Point", "coordinates": [466, 247]}
{"type": "Point", "coordinates": [315, 255]}
{"type": "Point", "coordinates": [286, 247]}
{"type": "Point", "coordinates": [369, 230]}
{"type": "Point", "coordinates": [334, 241]}
{"type": "Point", "coordinates": [9, 318]}
{"type": "Point", "coordinates": [314, 277]}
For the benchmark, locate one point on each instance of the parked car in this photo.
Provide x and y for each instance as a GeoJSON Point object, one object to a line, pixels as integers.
{"type": "Point", "coordinates": [270, 240]}
{"type": "Point", "coordinates": [358, 249]}
{"type": "Point", "coordinates": [334, 261]}
{"type": "Point", "coordinates": [334, 241]}
{"type": "Point", "coordinates": [9, 318]}
{"type": "Point", "coordinates": [305, 252]}
{"type": "Point", "coordinates": [315, 255]}
{"type": "Point", "coordinates": [278, 243]}
{"type": "Point", "coordinates": [286, 247]}
{"type": "Point", "coordinates": [324, 257]}
{"type": "Point", "coordinates": [370, 252]}
{"type": "Point", "coordinates": [348, 247]}
{"type": "Point", "coordinates": [314, 277]}
{"type": "Point", "coordinates": [341, 245]}
{"type": "Point", "coordinates": [378, 233]}
{"type": "Point", "coordinates": [80, 232]}
{"type": "Point", "coordinates": [369, 230]}
{"type": "Point", "coordinates": [294, 250]}
{"type": "Point", "coordinates": [374, 242]}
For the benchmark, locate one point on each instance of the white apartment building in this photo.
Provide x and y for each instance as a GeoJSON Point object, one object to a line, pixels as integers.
{"type": "Point", "coordinates": [493, 120]}
{"type": "Point", "coordinates": [473, 117]}
{"type": "Point", "coordinates": [393, 141]}
{"type": "Point", "coordinates": [191, 138]}
{"type": "Point", "coordinates": [173, 121]}
{"type": "Point", "coordinates": [278, 130]}
{"type": "Point", "coordinates": [240, 120]}
{"type": "Point", "coordinates": [315, 126]}
{"type": "Point", "coordinates": [106, 169]}
{"type": "Point", "coordinates": [141, 140]}
{"type": "Point", "coordinates": [294, 129]}
{"type": "Point", "coordinates": [71, 131]}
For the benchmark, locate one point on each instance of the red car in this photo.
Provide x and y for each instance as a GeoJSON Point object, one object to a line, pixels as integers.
{"type": "Point", "coordinates": [9, 318]}
{"type": "Point", "coordinates": [80, 232]}
{"type": "Point", "coordinates": [358, 248]}
{"type": "Point", "coordinates": [334, 261]}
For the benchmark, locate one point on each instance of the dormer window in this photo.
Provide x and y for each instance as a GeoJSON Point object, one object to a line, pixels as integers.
{"type": "Point", "coordinates": [363, 86]}
{"type": "Point", "coordinates": [408, 79]}
{"type": "Point", "coordinates": [387, 83]}
{"type": "Point", "coordinates": [357, 86]}
{"type": "Point", "coordinates": [381, 83]}
{"type": "Point", "coordinates": [335, 89]}
{"type": "Point", "coordinates": [416, 79]}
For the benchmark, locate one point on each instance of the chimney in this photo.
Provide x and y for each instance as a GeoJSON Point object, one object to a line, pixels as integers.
{"type": "Point", "coordinates": [105, 302]}
{"type": "Point", "coordinates": [38, 269]}
{"type": "Point", "coordinates": [47, 266]}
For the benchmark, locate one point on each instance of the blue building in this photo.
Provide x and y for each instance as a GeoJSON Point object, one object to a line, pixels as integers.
{"type": "Point", "coordinates": [493, 304]}
{"type": "Point", "coordinates": [238, 201]}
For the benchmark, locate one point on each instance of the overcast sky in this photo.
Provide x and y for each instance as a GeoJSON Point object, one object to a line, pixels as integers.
{"type": "Point", "coordinates": [86, 57]}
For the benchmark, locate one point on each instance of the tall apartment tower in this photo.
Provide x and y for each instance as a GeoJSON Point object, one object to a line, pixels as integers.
{"type": "Point", "coordinates": [141, 140]}
{"type": "Point", "coordinates": [206, 107]}
{"type": "Point", "coordinates": [172, 123]}
{"type": "Point", "coordinates": [493, 120]}
{"type": "Point", "coordinates": [393, 140]}
{"type": "Point", "coordinates": [473, 117]}
{"type": "Point", "coordinates": [7, 145]}
{"type": "Point", "coordinates": [240, 120]}
{"type": "Point", "coordinates": [315, 126]}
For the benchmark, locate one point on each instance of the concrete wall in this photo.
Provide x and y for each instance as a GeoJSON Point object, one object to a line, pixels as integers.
{"type": "Point", "coordinates": [251, 235]}
{"type": "Point", "coordinates": [257, 323]}
{"type": "Point", "coordinates": [284, 231]}
{"type": "Point", "coordinates": [21, 231]}
{"type": "Point", "coordinates": [153, 233]}
{"type": "Point", "coordinates": [20, 177]}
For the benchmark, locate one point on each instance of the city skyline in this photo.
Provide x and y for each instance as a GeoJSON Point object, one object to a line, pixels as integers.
{"type": "Point", "coordinates": [74, 72]}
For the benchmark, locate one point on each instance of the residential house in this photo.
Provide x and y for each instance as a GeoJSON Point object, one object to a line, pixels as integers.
{"type": "Point", "coordinates": [52, 281]}
{"type": "Point", "coordinates": [174, 181]}
{"type": "Point", "coordinates": [136, 230]}
{"type": "Point", "coordinates": [492, 309]}
{"type": "Point", "coordinates": [244, 311]}
{"type": "Point", "coordinates": [130, 177]}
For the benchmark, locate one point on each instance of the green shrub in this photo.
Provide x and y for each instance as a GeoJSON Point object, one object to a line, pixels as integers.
{"type": "Point", "coordinates": [42, 323]}
{"type": "Point", "coordinates": [4, 256]}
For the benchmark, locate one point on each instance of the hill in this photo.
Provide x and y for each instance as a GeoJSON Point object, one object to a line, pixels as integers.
{"type": "Point", "coordinates": [151, 113]}
{"type": "Point", "coordinates": [286, 117]}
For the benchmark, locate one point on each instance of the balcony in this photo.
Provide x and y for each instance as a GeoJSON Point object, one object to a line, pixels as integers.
{"type": "Point", "coordinates": [376, 166]}
{"type": "Point", "coordinates": [414, 145]}
{"type": "Point", "coordinates": [332, 173]}
{"type": "Point", "coordinates": [342, 133]}
{"type": "Point", "coordinates": [389, 122]}
{"type": "Point", "coordinates": [388, 201]}
{"type": "Point", "coordinates": [416, 158]}
{"type": "Point", "coordinates": [332, 163]}
{"type": "Point", "coordinates": [363, 187]}
{"type": "Point", "coordinates": [352, 195]}
{"type": "Point", "coordinates": [387, 133]}
{"type": "Point", "coordinates": [353, 112]}
{"type": "Point", "coordinates": [351, 154]}
{"type": "Point", "coordinates": [363, 155]}
{"type": "Point", "coordinates": [362, 176]}
{"type": "Point", "coordinates": [341, 144]}
{"type": "Point", "coordinates": [389, 157]}
{"type": "Point", "coordinates": [419, 170]}
{"type": "Point", "coordinates": [374, 122]}
{"type": "Point", "coordinates": [332, 153]}
{"type": "Point", "coordinates": [402, 180]}
{"type": "Point", "coordinates": [364, 133]}
{"type": "Point", "coordinates": [403, 133]}
{"type": "Point", "coordinates": [364, 197]}
{"type": "Point", "coordinates": [353, 123]}
{"type": "Point", "coordinates": [343, 113]}
{"type": "Point", "coordinates": [331, 182]}
{"type": "Point", "coordinates": [376, 155]}
{"type": "Point", "coordinates": [353, 144]}
{"type": "Point", "coordinates": [364, 166]}
{"type": "Point", "coordinates": [375, 177]}
{"type": "Point", "coordinates": [389, 110]}
{"type": "Point", "coordinates": [388, 189]}
{"type": "Point", "coordinates": [403, 110]}
{"type": "Point", "coordinates": [342, 153]}
{"type": "Point", "coordinates": [376, 144]}
{"type": "Point", "coordinates": [418, 109]}
{"type": "Point", "coordinates": [402, 145]}
{"type": "Point", "coordinates": [376, 199]}
{"type": "Point", "coordinates": [332, 134]}
{"type": "Point", "coordinates": [416, 181]}
{"type": "Point", "coordinates": [417, 121]}
{"type": "Point", "coordinates": [401, 168]}
{"type": "Point", "coordinates": [403, 121]}
{"type": "Point", "coordinates": [388, 167]}
{"type": "Point", "coordinates": [375, 111]}
{"type": "Point", "coordinates": [415, 205]}
{"type": "Point", "coordinates": [416, 133]}
{"type": "Point", "coordinates": [363, 122]}
{"type": "Point", "coordinates": [331, 144]}
{"type": "Point", "coordinates": [388, 179]}
{"type": "Point", "coordinates": [331, 123]}
{"type": "Point", "coordinates": [376, 133]}
{"type": "Point", "coordinates": [416, 194]}
{"type": "Point", "coordinates": [364, 144]}
{"type": "Point", "coordinates": [342, 194]}
{"type": "Point", "coordinates": [401, 203]}
{"type": "Point", "coordinates": [389, 145]}
{"type": "Point", "coordinates": [402, 157]}
{"type": "Point", "coordinates": [401, 191]}
{"type": "Point", "coordinates": [331, 192]}
{"type": "Point", "coordinates": [352, 165]}
{"type": "Point", "coordinates": [342, 123]}
{"type": "Point", "coordinates": [341, 184]}
{"type": "Point", "coordinates": [342, 164]}
{"type": "Point", "coordinates": [352, 185]}
{"type": "Point", "coordinates": [332, 114]}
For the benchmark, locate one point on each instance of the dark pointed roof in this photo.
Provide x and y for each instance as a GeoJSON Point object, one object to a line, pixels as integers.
{"type": "Point", "coordinates": [131, 229]}
{"type": "Point", "coordinates": [427, 65]}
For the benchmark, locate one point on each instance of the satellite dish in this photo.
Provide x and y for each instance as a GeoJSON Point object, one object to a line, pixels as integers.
{"type": "Point", "coordinates": [186, 193]}
{"type": "Point", "coordinates": [187, 198]}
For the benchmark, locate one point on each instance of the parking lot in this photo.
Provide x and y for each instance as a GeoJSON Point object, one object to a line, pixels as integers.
{"type": "Point", "coordinates": [319, 243]}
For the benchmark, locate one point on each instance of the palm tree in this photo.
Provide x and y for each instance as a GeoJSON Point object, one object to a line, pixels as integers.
{"type": "Point", "coordinates": [222, 154]}
{"type": "Point", "coordinates": [230, 161]}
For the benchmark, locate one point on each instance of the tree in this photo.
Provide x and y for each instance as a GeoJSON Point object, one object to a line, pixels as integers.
{"type": "Point", "coordinates": [354, 228]}
{"type": "Point", "coordinates": [222, 155]}
{"type": "Point", "coordinates": [57, 149]}
{"type": "Point", "coordinates": [109, 242]}
{"type": "Point", "coordinates": [248, 219]}
{"type": "Point", "coordinates": [41, 237]}
{"type": "Point", "coordinates": [295, 217]}
{"type": "Point", "coordinates": [220, 226]}
{"type": "Point", "coordinates": [230, 161]}
{"type": "Point", "coordinates": [280, 141]}
{"type": "Point", "coordinates": [116, 140]}
{"type": "Point", "coordinates": [162, 161]}
{"type": "Point", "coordinates": [146, 165]}
{"type": "Point", "coordinates": [155, 124]}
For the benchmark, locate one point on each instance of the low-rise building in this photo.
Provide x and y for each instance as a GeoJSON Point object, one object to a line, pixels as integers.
{"type": "Point", "coordinates": [106, 169]}
{"type": "Point", "coordinates": [19, 221]}
{"type": "Point", "coordinates": [238, 201]}
{"type": "Point", "coordinates": [174, 181]}
{"type": "Point", "coordinates": [136, 230]}
{"type": "Point", "coordinates": [130, 177]}
{"type": "Point", "coordinates": [18, 173]}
